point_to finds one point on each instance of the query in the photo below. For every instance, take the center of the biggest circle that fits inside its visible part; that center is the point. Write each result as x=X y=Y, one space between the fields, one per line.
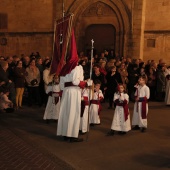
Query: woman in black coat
x=113 y=78
x=19 y=80
x=97 y=75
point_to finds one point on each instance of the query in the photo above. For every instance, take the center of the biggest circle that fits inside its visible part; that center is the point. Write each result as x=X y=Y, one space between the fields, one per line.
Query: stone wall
x=30 y=27
x=157 y=30
x=142 y=29
x=157 y=46
x=26 y=43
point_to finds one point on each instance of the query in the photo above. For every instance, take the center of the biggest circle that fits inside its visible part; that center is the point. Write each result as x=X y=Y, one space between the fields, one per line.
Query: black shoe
x=47 y=121
x=136 y=127
x=143 y=130
x=55 y=121
x=110 y=133
x=76 y=140
x=91 y=124
x=20 y=107
x=122 y=133
x=82 y=133
x=65 y=138
x=9 y=110
x=16 y=108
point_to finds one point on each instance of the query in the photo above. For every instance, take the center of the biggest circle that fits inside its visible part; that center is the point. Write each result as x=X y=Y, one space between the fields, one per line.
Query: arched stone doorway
x=104 y=36
x=95 y=13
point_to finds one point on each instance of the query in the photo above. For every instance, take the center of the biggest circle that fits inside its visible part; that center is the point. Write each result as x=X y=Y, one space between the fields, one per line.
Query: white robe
x=94 y=116
x=69 y=115
x=119 y=123
x=52 y=109
x=143 y=91
x=47 y=77
x=84 y=119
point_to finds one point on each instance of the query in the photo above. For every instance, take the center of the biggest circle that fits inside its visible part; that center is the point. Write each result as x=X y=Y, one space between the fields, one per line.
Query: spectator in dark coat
x=19 y=81
x=113 y=78
x=160 y=84
x=133 y=79
x=97 y=75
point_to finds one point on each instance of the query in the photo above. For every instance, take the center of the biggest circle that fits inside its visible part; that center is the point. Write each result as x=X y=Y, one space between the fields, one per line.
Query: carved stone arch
x=120 y=20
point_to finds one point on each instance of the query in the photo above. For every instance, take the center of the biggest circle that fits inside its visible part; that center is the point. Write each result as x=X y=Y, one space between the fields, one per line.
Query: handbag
x=34 y=82
x=126 y=80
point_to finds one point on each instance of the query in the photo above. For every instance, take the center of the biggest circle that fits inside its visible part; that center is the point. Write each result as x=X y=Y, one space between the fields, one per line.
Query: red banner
x=62 y=33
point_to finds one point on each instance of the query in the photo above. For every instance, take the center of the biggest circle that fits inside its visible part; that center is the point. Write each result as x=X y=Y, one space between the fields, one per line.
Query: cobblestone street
x=27 y=142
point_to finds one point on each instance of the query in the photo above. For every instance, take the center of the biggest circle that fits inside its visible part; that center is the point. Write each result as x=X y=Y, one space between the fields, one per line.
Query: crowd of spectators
x=112 y=70
x=22 y=80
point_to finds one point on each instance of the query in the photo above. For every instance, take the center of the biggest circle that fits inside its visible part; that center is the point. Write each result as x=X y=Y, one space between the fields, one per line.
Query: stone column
x=138 y=27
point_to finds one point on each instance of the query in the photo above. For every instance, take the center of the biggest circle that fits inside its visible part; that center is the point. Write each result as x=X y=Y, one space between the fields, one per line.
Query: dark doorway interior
x=104 y=36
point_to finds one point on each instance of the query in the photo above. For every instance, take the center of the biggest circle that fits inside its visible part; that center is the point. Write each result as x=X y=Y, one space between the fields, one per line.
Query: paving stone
x=17 y=154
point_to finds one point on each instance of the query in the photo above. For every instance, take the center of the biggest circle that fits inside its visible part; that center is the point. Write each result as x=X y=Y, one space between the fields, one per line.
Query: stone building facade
x=133 y=28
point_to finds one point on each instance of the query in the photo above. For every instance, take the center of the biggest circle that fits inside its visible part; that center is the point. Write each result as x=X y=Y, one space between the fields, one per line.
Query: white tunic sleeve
x=62 y=83
x=77 y=75
x=116 y=96
x=126 y=97
x=101 y=94
x=56 y=88
x=147 y=92
x=47 y=77
x=49 y=88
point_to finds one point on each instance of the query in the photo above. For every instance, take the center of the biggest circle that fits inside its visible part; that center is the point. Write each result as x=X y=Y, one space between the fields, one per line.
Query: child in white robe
x=121 y=118
x=53 y=103
x=142 y=94
x=95 y=106
x=84 y=110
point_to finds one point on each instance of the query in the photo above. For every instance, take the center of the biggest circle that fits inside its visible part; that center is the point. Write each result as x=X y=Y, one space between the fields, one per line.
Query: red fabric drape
x=60 y=44
x=125 y=107
x=72 y=60
x=98 y=103
x=144 y=108
x=56 y=99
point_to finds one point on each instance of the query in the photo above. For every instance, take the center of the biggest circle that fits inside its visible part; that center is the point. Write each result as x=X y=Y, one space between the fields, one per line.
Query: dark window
x=3 y=21
x=151 y=43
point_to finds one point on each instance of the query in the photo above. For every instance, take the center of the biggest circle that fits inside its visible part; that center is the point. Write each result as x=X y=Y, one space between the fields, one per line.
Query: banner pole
x=63 y=9
x=88 y=128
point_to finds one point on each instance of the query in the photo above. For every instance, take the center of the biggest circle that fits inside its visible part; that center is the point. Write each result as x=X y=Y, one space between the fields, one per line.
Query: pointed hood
x=73 y=59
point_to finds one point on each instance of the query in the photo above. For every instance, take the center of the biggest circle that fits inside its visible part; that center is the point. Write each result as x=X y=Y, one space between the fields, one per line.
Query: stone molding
x=157 y=31
x=98 y=9
x=119 y=11
x=24 y=33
